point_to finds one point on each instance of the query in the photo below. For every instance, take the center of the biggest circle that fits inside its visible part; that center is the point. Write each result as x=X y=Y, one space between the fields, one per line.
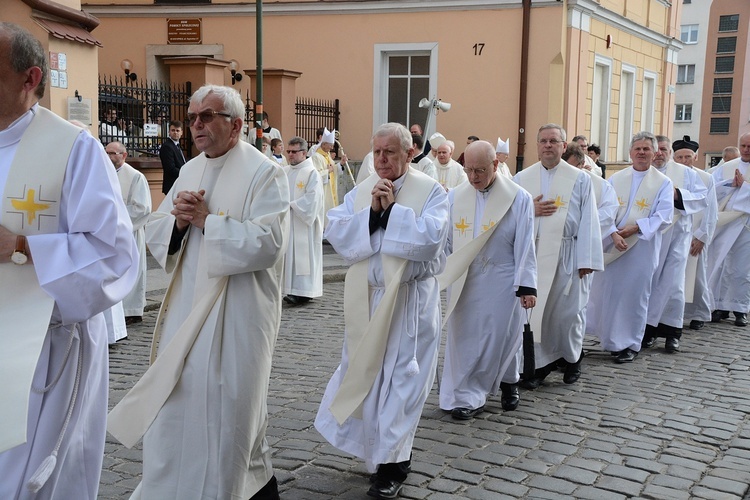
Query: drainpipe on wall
x=259 y=74
x=524 y=84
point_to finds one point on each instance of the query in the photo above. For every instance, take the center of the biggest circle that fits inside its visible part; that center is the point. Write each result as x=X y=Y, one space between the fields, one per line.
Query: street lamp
x=127 y=65
x=234 y=67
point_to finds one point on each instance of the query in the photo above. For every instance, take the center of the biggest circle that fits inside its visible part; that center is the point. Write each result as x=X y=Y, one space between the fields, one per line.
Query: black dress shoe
x=697 y=324
x=573 y=371
x=740 y=319
x=539 y=375
x=466 y=413
x=385 y=488
x=648 y=342
x=718 y=315
x=672 y=345
x=627 y=355
x=509 y=396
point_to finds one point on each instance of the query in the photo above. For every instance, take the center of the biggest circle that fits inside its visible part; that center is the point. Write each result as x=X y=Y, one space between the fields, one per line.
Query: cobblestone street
x=666 y=426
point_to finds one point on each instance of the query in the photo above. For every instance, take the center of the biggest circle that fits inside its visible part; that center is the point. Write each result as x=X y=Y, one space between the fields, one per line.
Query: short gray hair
x=553 y=126
x=640 y=136
x=299 y=141
x=26 y=52
x=398 y=130
x=230 y=98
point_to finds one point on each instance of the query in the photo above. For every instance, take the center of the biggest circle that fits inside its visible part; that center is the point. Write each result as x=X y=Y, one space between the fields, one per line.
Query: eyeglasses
x=291 y=152
x=205 y=116
x=552 y=142
x=110 y=153
x=478 y=171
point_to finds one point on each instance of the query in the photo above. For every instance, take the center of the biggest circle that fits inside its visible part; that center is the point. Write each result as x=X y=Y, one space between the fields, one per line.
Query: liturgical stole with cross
x=549 y=229
x=465 y=247
x=30 y=205
x=366 y=342
x=645 y=197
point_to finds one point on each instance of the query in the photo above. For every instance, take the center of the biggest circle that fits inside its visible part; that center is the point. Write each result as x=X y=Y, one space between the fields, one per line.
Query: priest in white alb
x=66 y=254
x=392 y=229
x=303 y=263
x=729 y=256
x=667 y=304
x=568 y=249
x=221 y=232
x=620 y=295
x=492 y=273
x=137 y=198
x=698 y=298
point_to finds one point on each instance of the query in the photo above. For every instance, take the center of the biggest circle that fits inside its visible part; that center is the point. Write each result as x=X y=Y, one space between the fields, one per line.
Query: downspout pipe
x=259 y=74
x=523 y=91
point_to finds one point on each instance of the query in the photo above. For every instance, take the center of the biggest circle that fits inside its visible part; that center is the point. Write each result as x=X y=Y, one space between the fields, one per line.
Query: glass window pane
x=398 y=65
x=397 y=100
x=419 y=89
x=723 y=85
x=719 y=126
x=420 y=65
x=726 y=45
x=729 y=23
x=721 y=104
x=724 y=64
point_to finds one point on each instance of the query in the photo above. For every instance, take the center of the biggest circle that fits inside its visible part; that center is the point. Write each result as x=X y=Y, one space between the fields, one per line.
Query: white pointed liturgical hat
x=436 y=140
x=502 y=147
x=328 y=136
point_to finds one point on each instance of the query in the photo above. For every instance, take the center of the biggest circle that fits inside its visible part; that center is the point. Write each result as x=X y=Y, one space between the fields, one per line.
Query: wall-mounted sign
x=184 y=31
x=79 y=110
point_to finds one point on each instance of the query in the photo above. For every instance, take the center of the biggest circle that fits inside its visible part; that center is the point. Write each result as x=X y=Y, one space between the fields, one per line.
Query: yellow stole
x=645 y=197
x=331 y=176
x=30 y=205
x=133 y=415
x=366 y=342
x=548 y=230
x=465 y=247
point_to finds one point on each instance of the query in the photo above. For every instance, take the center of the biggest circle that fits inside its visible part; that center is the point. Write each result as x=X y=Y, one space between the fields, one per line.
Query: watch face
x=18 y=258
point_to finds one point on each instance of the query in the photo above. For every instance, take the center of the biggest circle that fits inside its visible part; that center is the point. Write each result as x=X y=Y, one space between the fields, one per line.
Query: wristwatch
x=19 y=255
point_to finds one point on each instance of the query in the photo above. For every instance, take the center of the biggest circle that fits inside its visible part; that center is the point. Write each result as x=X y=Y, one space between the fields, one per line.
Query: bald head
x=480 y=164
x=745 y=147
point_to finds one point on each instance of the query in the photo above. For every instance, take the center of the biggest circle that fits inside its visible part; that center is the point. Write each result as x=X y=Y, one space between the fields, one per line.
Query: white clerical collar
x=486 y=190
x=15 y=130
x=176 y=143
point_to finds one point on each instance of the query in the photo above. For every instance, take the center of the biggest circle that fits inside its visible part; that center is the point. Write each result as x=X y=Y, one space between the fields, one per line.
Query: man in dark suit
x=171 y=156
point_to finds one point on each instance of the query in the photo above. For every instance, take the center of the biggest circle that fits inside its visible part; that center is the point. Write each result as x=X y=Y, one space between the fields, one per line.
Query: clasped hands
x=619 y=237
x=382 y=195
x=738 y=178
x=190 y=207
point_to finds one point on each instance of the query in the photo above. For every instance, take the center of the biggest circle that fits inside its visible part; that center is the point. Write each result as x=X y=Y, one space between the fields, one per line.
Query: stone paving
x=666 y=426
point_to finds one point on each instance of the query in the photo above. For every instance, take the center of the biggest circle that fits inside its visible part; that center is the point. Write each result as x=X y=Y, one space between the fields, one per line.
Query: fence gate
x=313 y=114
x=142 y=112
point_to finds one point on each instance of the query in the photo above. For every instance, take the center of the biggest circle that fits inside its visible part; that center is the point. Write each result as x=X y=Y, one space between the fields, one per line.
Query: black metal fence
x=138 y=113
x=313 y=114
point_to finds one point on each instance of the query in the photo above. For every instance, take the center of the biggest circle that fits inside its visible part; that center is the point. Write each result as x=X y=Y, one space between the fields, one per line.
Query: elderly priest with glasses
x=221 y=232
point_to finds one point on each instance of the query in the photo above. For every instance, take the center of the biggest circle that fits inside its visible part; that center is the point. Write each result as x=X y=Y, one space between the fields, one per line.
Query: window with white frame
x=404 y=74
x=626 y=107
x=689 y=33
x=683 y=113
x=601 y=99
x=648 y=102
x=686 y=73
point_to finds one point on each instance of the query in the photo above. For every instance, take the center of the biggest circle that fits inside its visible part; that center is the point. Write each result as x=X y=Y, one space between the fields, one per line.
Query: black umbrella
x=529 y=362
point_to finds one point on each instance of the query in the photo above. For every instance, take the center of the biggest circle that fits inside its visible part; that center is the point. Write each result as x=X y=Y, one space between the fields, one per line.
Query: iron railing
x=143 y=112
x=313 y=114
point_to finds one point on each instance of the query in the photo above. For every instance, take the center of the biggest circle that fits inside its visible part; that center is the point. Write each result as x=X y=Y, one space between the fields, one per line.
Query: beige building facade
x=605 y=69
x=65 y=31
